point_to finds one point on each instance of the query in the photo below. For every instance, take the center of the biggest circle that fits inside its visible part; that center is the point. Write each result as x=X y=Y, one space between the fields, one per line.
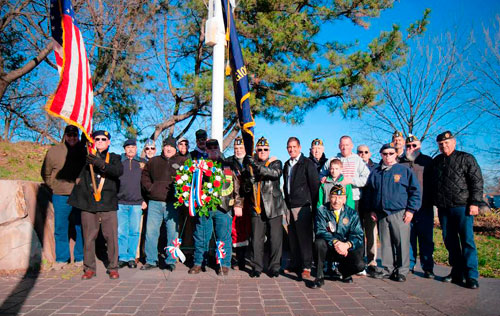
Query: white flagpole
x=216 y=37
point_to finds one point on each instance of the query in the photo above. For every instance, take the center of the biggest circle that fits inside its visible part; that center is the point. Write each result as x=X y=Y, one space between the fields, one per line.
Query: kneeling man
x=338 y=234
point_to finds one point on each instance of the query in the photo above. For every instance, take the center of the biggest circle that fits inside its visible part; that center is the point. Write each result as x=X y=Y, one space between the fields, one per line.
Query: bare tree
x=432 y=92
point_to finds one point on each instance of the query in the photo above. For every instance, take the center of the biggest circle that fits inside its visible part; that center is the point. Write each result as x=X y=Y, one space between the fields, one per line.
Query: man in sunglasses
x=394 y=195
x=60 y=168
x=150 y=149
x=268 y=207
x=98 y=200
x=422 y=224
x=200 y=151
x=457 y=192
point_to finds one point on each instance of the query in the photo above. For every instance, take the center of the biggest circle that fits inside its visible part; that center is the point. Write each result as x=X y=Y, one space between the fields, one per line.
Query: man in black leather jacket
x=267 y=208
x=457 y=191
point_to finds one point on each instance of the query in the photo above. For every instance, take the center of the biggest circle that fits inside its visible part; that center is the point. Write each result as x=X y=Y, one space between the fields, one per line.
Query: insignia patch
x=345 y=221
x=447 y=135
x=397 y=177
x=231 y=202
x=331 y=227
x=141 y=165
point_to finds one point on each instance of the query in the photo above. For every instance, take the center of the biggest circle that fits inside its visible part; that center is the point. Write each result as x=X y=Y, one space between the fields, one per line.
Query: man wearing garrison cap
x=317 y=154
x=242 y=225
x=96 y=194
x=398 y=141
x=267 y=206
x=457 y=192
x=422 y=224
x=339 y=233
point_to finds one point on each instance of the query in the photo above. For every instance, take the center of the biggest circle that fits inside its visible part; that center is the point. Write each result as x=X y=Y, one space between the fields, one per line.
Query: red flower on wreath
x=181 y=200
x=185 y=188
x=216 y=184
x=207 y=199
x=208 y=173
x=177 y=177
x=191 y=169
x=210 y=164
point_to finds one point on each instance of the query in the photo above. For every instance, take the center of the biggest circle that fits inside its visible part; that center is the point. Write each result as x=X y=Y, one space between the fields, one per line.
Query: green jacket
x=324 y=191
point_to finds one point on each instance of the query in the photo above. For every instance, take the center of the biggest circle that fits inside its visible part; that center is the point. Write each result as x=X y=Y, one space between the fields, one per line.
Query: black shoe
x=170 y=267
x=132 y=264
x=375 y=273
x=472 y=283
x=274 y=274
x=453 y=279
x=255 y=274
x=429 y=275
x=398 y=277
x=122 y=264
x=347 y=280
x=335 y=275
x=318 y=283
x=148 y=266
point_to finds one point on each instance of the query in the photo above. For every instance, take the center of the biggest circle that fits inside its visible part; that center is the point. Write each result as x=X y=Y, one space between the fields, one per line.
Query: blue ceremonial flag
x=240 y=79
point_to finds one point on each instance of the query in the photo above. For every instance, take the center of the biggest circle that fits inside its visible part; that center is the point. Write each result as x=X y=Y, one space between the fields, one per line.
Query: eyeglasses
x=262 y=149
x=363 y=152
x=99 y=139
x=388 y=154
x=411 y=146
x=150 y=148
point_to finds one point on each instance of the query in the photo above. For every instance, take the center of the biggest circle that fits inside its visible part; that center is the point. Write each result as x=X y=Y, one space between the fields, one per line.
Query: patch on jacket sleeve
x=397 y=177
x=141 y=165
x=345 y=221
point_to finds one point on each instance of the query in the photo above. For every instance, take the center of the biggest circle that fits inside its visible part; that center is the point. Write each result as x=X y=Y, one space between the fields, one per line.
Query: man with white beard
x=422 y=223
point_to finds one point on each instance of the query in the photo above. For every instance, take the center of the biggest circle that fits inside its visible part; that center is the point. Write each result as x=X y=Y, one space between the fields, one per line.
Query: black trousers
x=261 y=225
x=348 y=265
x=90 y=227
x=300 y=237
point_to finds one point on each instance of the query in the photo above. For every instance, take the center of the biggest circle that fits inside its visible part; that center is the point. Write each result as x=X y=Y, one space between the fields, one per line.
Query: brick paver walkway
x=159 y=292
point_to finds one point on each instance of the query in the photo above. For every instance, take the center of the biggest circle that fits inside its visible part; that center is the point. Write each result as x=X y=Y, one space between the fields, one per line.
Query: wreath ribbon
x=220 y=253
x=195 y=199
x=175 y=250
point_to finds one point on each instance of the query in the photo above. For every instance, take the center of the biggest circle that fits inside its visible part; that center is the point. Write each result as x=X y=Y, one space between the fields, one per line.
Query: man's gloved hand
x=96 y=161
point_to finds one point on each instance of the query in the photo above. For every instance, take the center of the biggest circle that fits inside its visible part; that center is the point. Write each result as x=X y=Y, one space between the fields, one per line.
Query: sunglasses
x=262 y=149
x=363 y=152
x=150 y=148
x=388 y=154
x=411 y=146
x=99 y=139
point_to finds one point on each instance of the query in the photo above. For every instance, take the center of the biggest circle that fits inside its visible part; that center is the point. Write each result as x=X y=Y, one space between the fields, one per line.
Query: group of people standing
x=330 y=210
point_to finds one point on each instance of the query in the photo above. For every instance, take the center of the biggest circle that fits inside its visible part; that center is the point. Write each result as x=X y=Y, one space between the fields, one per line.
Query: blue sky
x=445 y=16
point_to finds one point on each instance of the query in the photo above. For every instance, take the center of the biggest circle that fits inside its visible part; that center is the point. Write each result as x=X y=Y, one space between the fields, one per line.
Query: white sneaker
x=362 y=273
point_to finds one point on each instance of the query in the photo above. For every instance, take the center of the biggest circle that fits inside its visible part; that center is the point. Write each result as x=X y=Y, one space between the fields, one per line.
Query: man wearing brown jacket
x=60 y=168
x=157 y=182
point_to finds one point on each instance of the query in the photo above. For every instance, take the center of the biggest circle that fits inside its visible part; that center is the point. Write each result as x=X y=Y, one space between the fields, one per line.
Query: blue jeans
x=158 y=212
x=421 y=231
x=458 y=238
x=64 y=214
x=129 y=223
x=203 y=233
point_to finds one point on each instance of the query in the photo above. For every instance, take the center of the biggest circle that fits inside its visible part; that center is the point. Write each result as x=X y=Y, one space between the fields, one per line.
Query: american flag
x=73 y=100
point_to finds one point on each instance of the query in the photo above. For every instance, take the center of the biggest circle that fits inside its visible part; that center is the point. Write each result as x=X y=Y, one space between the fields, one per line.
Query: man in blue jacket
x=394 y=194
x=338 y=234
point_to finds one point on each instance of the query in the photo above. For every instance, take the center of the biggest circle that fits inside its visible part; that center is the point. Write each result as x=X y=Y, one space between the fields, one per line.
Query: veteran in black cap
x=267 y=206
x=317 y=153
x=157 y=182
x=200 y=151
x=457 y=192
x=97 y=196
x=61 y=167
x=338 y=233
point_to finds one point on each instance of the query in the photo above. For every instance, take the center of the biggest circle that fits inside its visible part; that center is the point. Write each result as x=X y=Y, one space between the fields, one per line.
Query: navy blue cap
x=130 y=142
x=101 y=133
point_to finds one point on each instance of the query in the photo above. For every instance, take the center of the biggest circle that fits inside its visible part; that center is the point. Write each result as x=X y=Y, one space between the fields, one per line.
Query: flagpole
x=218 y=73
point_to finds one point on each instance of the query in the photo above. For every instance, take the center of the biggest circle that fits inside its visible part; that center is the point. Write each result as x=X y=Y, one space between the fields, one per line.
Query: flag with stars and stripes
x=73 y=100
